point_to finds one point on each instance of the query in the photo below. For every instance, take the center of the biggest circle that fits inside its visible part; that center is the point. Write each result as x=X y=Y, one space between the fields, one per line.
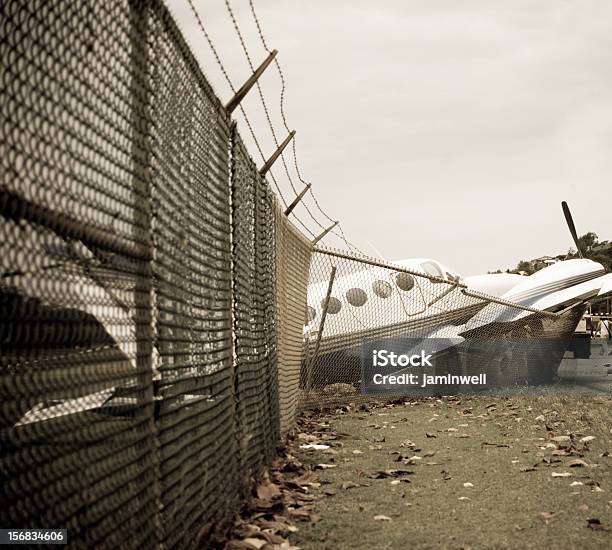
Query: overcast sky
x=435 y=128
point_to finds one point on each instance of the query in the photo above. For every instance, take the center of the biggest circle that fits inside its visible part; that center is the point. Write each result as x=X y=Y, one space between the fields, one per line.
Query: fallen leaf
x=314 y=446
x=562 y=440
x=587 y=438
x=255 y=543
x=547 y=515
x=357 y=452
x=595 y=523
x=381 y=474
x=380 y=517
x=464 y=498
x=561 y=474
x=429 y=434
x=541 y=418
x=577 y=463
x=324 y=466
x=576 y=483
x=468 y=484
x=349 y=485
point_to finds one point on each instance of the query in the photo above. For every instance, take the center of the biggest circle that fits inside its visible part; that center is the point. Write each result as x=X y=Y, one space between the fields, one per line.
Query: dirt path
x=474 y=473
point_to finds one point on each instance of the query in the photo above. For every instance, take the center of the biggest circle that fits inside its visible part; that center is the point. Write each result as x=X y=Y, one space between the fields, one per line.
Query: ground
x=469 y=472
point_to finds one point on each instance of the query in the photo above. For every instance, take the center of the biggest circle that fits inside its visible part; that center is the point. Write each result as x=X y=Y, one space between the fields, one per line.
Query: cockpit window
x=382 y=289
x=333 y=307
x=432 y=269
x=356 y=297
x=404 y=281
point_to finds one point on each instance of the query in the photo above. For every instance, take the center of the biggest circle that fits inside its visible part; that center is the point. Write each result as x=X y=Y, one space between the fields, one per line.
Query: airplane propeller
x=572 y=227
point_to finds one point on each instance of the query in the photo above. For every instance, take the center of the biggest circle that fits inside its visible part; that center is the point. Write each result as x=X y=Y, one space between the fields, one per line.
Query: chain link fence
x=148 y=357
x=353 y=300
x=161 y=321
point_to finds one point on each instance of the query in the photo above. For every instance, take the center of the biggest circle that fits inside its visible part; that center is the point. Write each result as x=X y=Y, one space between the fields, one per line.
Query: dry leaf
x=562 y=440
x=547 y=515
x=255 y=543
x=429 y=434
x=561 y=474
x=324 y=466
x=314 y=446
x=267 y=491
x=381 y=474
x=577 y=463
x=468 y=484
x=380 y=517
x=587 y=438
x=595 y=523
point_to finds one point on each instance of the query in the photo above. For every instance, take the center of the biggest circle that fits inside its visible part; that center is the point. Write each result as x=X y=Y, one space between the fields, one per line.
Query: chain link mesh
x=160 y=318
x=293 y=252
x=149 y=357
x=75 y=266
x=254 y=312
x=374 y=300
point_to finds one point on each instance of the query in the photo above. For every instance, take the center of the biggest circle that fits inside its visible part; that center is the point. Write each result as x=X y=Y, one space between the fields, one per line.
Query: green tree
x=525 y=266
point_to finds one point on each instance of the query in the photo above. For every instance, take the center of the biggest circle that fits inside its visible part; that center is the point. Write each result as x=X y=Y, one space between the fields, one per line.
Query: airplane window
x=310 y=314
x=382 y=289
x=356 y=297
x=334 y=305
x=404 y=281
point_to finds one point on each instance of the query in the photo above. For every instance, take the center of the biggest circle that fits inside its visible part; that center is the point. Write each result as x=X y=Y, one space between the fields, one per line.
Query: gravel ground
x=468 y=472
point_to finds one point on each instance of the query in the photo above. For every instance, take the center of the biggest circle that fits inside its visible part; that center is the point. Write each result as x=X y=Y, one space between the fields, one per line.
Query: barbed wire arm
x=246 y=87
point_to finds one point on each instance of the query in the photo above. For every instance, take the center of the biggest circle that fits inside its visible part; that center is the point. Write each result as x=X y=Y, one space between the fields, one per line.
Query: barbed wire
x=225 y=74
x=241 y=107
x=285 y=123
x=265 y=107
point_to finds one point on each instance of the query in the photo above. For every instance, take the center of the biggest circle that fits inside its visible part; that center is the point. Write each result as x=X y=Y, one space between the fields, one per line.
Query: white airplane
x=429 y=300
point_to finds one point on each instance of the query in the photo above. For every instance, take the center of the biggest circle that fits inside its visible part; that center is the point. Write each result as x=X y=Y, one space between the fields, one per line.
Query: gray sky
x=434 y=128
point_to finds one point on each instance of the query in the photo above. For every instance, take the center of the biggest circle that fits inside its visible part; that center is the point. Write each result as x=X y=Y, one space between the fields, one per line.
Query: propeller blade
x=572 y=227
